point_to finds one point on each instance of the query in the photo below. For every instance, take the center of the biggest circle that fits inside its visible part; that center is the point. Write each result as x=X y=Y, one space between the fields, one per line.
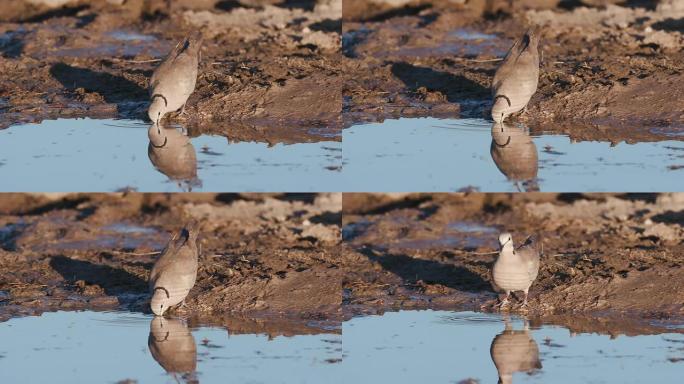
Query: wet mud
x=610 y=263
x=265 y=260
x=268 y=72
x=608 y=72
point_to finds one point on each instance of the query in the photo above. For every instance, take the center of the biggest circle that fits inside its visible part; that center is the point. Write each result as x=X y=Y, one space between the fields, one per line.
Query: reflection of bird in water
x=174 y=80
x=514 y=351
x=173 y=274
x=173 y=347
x=516 y=78
x=515 y=154
x=172 y=153
x=516 y=268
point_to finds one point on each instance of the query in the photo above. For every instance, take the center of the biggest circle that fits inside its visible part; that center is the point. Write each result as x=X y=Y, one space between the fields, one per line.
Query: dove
x=516 y=78
x=516 y=268
x=172 y=345
x=173 y=274
x=514 y=351
x=174 y=79
x=172 y=153
x=515 y=154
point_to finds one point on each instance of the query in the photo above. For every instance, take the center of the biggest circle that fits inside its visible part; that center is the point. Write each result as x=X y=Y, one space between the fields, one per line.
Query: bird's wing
x=522 y=53
x=185 y=49
x=530 y=254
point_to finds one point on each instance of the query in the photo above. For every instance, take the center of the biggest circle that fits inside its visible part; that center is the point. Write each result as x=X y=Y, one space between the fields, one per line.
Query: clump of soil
x=608 y=73
x=268 y=68
x=612 y=256
x=261 y=255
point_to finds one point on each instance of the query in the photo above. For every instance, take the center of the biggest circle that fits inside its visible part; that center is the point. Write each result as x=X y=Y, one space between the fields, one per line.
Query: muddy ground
x=611 y=263
x=609 y=72
x=268 y=263
x=270 y=71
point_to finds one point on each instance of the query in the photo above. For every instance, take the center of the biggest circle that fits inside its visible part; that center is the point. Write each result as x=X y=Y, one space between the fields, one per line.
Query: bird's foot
x=503 y=304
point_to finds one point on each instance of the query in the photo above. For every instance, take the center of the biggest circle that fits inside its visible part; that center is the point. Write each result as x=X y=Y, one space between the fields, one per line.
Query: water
x=105 y=347
x=450 y=347
x=72 y=155
x=460 y=234
x=431 y=155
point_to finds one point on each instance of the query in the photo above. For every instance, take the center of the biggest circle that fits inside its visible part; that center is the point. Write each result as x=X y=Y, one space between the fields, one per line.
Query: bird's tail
x=192 y=228
x=532 y=35
x=189 y=233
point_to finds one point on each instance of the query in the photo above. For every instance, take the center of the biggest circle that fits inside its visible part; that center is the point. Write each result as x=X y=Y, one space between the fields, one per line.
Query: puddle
x=452 y=347
x=107 y=155
x=431 y=155
x=106 y=347
x=462 y=235
x=131 y=36
x=465 y=34
x=130 y=228
x=460 y=42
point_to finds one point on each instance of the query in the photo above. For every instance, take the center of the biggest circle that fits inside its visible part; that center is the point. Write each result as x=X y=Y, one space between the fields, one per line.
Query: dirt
x=608 y=72
x=269 y=71
x=611 y=263
x=266 y=260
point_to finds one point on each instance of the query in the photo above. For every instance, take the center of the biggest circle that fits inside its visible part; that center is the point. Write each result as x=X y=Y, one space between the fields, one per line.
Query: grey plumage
x=516 y=78
x=514 y=153
x=172 y=345
x=514 y=351
x=174 y=80
x=516 y=268
x=174 y=273
x=172 y=153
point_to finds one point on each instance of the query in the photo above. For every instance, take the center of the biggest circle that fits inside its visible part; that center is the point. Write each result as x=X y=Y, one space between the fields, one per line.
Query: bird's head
x=160 y=301
x=505 y=240
x=500 y=109
x=157 y=109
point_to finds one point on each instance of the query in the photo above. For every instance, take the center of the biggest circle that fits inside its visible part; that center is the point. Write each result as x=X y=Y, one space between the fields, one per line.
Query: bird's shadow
x=114 y=281
x=12 y=43
x=412 y=270
x=456 y=88
x=114 y=89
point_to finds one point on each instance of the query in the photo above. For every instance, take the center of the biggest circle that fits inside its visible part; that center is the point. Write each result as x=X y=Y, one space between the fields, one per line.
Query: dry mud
x=611 y=263
x=267 y=262
x=611 y=72
x=269 y=71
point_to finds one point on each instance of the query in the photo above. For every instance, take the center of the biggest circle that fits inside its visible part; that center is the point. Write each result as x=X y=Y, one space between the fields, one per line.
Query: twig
x=478 y=61
x=139 y=61
x=483 y=253
x=136 y=253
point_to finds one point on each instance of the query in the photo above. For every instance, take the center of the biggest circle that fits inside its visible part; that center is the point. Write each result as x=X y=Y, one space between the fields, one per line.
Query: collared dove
x=516 y=78
x=174 y=273
x=514 y=351
x=172 y=345
x=515 y=154
x=516 y=268
x=172 y=153
x=174 y=80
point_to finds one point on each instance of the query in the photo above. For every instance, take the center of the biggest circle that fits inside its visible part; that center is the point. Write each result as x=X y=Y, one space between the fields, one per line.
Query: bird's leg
x=524 y=305
x=504 y=302
x=182 y=110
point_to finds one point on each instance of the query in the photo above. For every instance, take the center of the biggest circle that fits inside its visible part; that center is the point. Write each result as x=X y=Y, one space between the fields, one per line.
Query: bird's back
x=518 y=74
x=176 y=268
x=177 y=74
